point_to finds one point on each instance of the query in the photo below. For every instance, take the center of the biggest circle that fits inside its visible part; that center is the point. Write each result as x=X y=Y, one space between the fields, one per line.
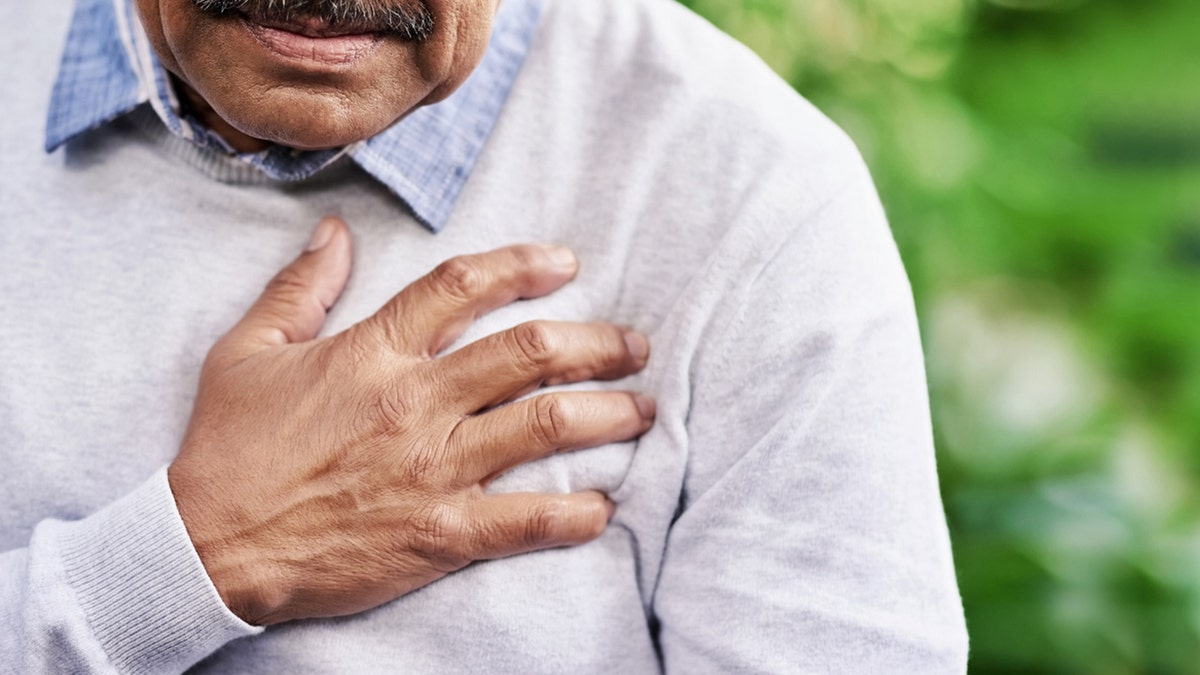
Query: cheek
x=186 y=41
x=150 y=13
x=447 y=61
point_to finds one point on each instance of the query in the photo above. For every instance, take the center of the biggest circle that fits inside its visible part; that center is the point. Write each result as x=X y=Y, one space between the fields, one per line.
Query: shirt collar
x=108 y=70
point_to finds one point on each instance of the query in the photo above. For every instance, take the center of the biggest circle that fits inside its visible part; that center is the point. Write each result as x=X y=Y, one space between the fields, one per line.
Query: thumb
x=293 y=306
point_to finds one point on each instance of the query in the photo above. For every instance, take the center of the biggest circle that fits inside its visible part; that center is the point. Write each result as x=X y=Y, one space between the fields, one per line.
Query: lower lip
x=330 y=51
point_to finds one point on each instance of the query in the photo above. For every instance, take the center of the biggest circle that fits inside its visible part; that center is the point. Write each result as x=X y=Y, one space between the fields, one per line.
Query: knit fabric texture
x=782 y=516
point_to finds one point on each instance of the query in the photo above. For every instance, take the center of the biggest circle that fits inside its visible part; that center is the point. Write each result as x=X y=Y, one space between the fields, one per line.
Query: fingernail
x=637 y=345
x=562 y=257
x=322 y=235
x=645 y=405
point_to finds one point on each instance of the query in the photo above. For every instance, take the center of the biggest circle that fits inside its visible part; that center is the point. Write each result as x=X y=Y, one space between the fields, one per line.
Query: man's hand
x=326 y=477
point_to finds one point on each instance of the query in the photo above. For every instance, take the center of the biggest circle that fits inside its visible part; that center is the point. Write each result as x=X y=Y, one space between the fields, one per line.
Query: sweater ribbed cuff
x=142 y=586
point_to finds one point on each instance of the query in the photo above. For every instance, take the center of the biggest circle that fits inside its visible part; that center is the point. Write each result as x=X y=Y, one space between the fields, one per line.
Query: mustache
x=409 y=20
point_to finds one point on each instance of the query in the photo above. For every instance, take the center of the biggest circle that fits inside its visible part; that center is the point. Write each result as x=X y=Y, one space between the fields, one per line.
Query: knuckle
x=392 y=410
x=552 y=418
x=442 y=531
x=293 y=303
x=459 y=278
x=379 y=336
x=532 y=343
x=422 y=468
x=370 y=349
x=359 y=348
x=287 y=282
x=527 y=257
x=616 y=352
x=544 y=523
x=606 y=355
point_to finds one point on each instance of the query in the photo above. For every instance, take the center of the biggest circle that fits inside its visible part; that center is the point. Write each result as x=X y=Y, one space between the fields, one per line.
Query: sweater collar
x=108 y=70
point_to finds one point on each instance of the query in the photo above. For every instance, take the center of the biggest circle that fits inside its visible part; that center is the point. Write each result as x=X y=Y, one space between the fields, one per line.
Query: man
x=768 y=473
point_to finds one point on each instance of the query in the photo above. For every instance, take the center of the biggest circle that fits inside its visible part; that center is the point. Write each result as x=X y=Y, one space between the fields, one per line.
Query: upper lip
x=310 y=26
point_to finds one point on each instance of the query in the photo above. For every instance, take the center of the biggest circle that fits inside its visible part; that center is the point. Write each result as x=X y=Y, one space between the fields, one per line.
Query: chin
x=324 y=137
x=310 y=123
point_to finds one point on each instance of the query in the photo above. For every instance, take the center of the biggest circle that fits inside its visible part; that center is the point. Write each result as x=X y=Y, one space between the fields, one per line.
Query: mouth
x=311 y=40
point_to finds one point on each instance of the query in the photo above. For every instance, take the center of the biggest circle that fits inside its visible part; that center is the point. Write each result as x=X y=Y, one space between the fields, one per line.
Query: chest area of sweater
x=102 y=345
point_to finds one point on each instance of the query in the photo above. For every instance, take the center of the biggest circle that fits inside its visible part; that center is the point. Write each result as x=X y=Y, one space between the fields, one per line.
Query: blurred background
x=1040 y=163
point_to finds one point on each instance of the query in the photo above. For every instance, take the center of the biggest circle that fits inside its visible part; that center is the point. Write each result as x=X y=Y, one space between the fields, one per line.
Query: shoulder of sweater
x=644 y=97
x=658 y=72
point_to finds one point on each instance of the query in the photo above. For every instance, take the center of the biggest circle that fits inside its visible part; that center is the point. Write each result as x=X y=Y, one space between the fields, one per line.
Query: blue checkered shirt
x=108 y=70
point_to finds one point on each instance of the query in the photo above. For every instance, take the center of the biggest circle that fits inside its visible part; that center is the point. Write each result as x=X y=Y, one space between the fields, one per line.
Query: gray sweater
x=782 y=516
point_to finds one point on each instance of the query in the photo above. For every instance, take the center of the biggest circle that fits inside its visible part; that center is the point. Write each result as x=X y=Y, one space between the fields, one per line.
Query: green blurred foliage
x=1040 y=162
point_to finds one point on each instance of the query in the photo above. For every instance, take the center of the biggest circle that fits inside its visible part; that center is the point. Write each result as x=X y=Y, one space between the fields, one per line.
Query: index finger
x=433 y=311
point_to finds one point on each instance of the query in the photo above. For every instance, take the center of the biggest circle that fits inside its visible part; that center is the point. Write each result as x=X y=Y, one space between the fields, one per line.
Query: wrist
x=137 y=579
x=236 y=570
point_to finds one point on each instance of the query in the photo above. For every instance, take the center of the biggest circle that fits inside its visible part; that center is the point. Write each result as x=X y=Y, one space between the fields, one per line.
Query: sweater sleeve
x=811 y=535
x=122 y=590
